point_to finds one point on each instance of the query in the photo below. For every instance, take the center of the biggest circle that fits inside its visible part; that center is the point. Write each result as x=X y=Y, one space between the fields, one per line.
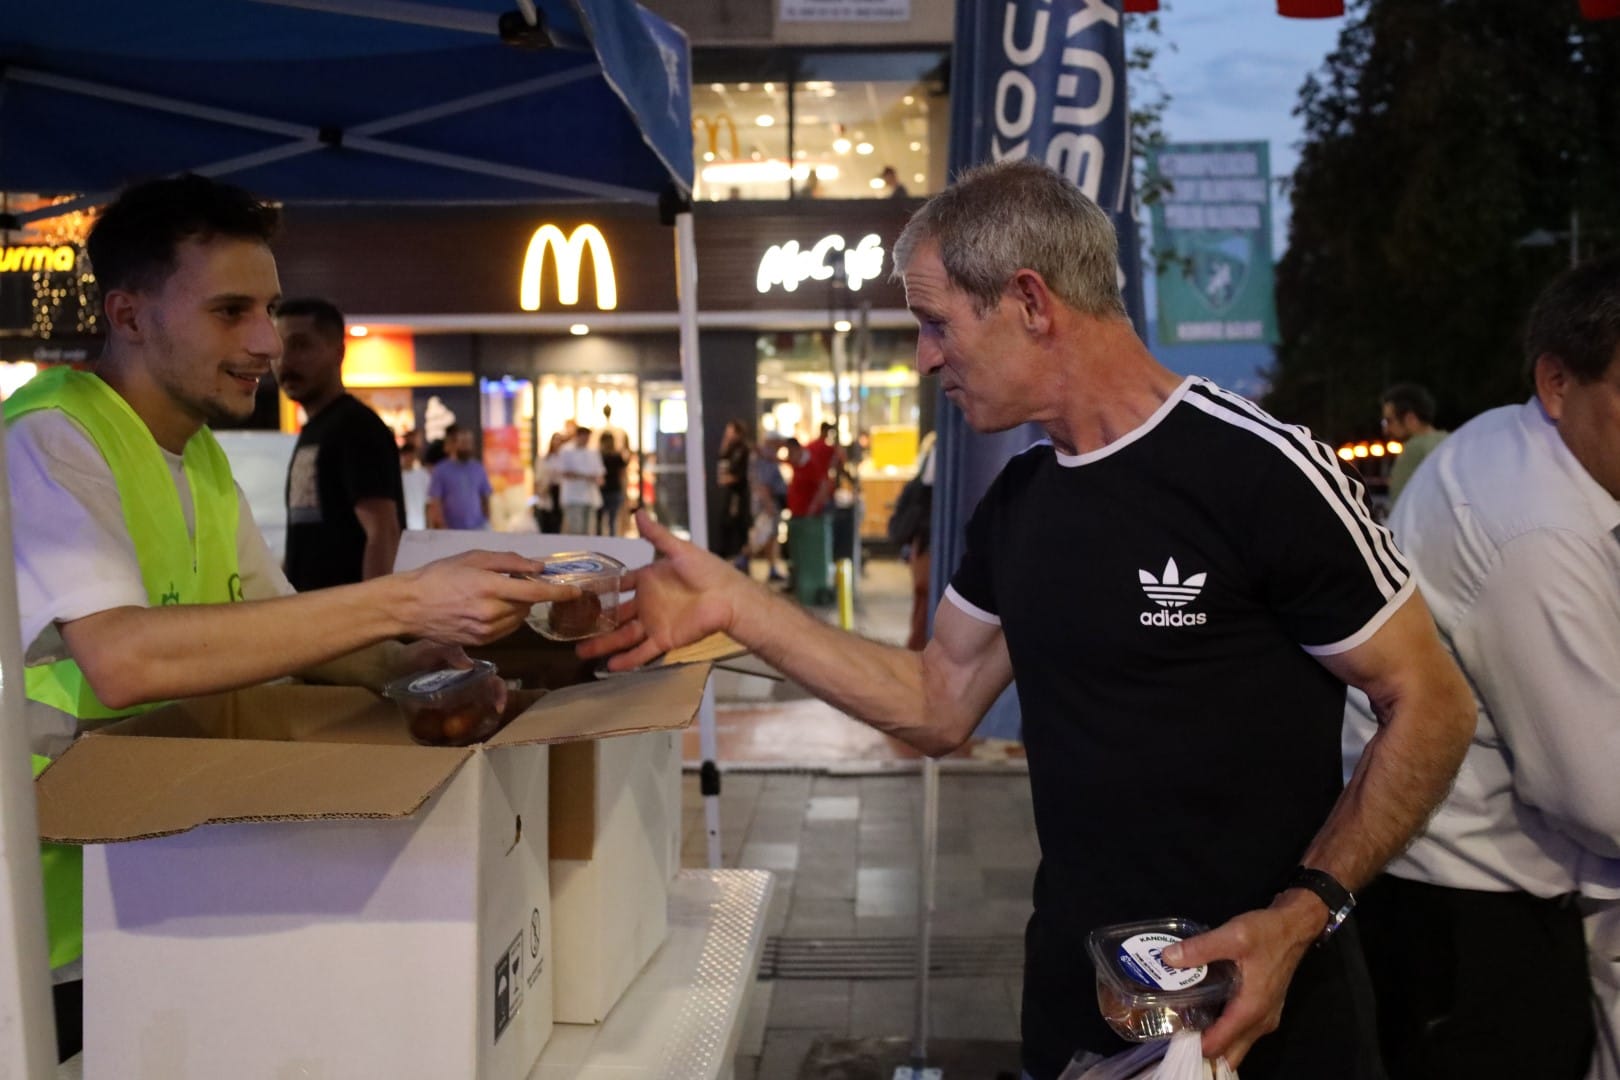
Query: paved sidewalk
x=822 y=802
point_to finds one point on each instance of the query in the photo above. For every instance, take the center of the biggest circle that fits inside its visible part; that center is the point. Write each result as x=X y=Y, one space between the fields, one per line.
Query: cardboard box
x=354 y=904
x=615 y=805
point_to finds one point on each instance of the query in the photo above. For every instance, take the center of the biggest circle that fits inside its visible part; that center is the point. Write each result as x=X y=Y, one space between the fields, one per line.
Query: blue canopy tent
x=329 y=101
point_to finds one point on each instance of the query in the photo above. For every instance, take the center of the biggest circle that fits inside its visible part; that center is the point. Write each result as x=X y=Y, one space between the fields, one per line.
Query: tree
x=1439 y=137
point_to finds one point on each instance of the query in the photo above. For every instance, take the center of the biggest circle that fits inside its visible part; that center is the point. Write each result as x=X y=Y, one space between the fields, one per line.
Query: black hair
x=1577 y=319
x=323 y=313
x=1410 y=398
x=134 y=240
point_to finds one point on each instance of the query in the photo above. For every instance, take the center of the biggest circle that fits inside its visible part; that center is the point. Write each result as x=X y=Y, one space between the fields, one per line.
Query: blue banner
x=1042 y=80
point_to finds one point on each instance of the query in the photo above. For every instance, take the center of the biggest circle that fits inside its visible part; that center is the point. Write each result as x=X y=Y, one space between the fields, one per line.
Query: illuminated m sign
x=570 y=253
x=710 y=125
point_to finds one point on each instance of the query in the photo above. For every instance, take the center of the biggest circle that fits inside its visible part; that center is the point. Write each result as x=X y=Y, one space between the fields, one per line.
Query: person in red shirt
x=815 y=474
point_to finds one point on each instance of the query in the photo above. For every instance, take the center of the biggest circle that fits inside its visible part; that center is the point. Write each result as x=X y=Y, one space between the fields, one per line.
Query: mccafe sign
x=789 y=265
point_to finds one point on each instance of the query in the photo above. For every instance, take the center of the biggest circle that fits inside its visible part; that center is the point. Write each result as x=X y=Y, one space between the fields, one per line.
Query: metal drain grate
x=889 y=957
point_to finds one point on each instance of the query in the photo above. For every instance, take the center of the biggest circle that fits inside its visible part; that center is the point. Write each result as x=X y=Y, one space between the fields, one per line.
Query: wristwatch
x=1339 y=900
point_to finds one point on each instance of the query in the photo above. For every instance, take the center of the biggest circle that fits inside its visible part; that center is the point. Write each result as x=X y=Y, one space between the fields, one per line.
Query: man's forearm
x=135 y=655
x=881 y=685
x=1404 y=773
x=382 y=546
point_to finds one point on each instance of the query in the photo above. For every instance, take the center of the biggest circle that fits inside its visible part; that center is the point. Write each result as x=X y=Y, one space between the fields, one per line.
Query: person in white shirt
x=580 y=492
x=1474 y=936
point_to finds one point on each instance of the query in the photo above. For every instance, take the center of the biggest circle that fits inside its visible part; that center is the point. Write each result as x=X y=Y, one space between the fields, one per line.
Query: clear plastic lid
x=1140 y=995
x=596 y=609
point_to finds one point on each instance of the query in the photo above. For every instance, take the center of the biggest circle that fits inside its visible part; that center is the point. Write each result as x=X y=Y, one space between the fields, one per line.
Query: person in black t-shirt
x=1181 y=645
x=614 y=465
x=345 y=496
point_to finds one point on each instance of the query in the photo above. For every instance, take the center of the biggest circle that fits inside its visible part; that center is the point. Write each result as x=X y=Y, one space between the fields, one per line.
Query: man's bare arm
x=932 y=700
x=135 y=655
x=1427 y=717
x=380 y=520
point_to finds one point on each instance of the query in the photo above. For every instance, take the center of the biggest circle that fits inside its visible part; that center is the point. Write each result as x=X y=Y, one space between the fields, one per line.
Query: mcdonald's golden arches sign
x=567 y=258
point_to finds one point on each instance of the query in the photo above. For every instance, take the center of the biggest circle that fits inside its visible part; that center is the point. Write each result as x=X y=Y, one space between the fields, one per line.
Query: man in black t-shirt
x=345 y=497
x=1182 y=586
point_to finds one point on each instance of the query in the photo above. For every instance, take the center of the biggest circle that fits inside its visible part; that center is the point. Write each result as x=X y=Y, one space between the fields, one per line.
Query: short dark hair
x=828 y=427
x=451 y=431
x=132 y=245
x=323 y=313
x=1577 y=319
x=1411 y=398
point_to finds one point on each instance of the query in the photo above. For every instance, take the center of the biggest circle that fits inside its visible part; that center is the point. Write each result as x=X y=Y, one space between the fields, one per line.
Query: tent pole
x=27 y=1031
x=697 y=501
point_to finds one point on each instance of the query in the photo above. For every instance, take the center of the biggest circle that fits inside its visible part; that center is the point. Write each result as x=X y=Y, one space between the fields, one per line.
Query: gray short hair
x=1013 y=215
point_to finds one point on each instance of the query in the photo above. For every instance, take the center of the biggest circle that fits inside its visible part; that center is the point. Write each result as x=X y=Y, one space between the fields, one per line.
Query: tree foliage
x=1438 y=137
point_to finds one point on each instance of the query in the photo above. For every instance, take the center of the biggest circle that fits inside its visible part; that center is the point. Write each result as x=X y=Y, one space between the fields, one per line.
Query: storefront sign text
x=788 y=265
x=37 y=257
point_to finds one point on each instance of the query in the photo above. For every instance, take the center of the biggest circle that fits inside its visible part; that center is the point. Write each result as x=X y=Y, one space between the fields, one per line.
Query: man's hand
x=685 y=596
x=1266 y=946
x=474 y=598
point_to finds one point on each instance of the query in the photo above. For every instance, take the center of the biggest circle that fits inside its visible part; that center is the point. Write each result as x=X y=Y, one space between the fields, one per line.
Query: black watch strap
x=1339 y=900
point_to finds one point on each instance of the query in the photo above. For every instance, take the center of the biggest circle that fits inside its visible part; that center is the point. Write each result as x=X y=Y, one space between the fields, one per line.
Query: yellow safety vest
x=176 y=568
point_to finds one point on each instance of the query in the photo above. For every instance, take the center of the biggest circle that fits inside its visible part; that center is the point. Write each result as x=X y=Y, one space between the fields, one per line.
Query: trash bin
x=810 y=550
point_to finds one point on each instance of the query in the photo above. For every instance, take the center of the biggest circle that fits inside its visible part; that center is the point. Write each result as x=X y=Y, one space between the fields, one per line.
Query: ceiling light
x=579 y=329
x=841 y=145
x=1360 y=450
x=918 y=178
x=826 y=92
x=708 y=155
x=718 y=88
x=842 y=326
x=863 y=148
x=909 y=100
x=358 y=331
x=745 y=87
x=764 y=119
x=915 y=145
x=770 y=88
x=876 y=183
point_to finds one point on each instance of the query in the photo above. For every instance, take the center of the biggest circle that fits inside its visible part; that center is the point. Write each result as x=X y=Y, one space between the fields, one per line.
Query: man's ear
x=1553 y=380
x=1035 y=301
x=124 y=317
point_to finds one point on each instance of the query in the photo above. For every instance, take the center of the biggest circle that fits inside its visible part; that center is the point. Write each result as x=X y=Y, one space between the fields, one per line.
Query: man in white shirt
x=1474 y=936
x=580 y=470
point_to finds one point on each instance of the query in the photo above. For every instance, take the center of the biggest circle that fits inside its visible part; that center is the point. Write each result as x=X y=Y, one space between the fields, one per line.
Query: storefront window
x=841 y=126
x=806 y=379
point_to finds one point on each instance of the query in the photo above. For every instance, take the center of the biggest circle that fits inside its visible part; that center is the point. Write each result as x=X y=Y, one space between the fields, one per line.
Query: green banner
x=1212 y=242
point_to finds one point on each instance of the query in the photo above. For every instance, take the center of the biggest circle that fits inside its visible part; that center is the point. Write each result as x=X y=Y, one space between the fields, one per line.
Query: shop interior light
x=1376 y=449
x=863 y=148
x=842 y=145
x=1346 y=453
x=876 y=183
x=916 y=146
x=1360 y=450
x=842 y=326
x=764 y=120
x=771 y=170
x=358 y=331
x=579 y=329
x=1393 y=447
x=918 y=178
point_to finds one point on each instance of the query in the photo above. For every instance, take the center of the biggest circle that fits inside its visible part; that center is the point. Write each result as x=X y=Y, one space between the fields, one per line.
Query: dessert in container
x=451 y=706
x=594 y=611
x=1144 y=998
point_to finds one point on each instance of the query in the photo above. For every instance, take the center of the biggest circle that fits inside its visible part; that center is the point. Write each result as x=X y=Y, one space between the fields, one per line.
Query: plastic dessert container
x=452 y=706
x=595 y=611
x=1144 y=998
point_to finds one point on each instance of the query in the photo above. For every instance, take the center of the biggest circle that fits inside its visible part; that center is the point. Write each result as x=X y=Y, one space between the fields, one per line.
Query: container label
x=574 y=566
x=508 y=985
x=434 y=681
x=1141 y=958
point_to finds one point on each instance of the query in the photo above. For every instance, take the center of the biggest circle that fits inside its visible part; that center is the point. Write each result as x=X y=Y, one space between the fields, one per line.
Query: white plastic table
x=681 y=1017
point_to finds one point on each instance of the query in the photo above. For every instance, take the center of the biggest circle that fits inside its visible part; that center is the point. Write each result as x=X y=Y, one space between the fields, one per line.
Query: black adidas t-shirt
x=1162 y=599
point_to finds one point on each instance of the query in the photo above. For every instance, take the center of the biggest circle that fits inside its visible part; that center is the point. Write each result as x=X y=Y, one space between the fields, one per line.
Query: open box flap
x=110 y=787
x=658 y=699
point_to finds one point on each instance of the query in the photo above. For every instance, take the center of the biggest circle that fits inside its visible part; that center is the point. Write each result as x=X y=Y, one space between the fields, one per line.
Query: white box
x=404 y=949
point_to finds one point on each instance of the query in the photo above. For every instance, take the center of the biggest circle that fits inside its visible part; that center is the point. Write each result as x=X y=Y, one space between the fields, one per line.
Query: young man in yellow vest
x=141 y=575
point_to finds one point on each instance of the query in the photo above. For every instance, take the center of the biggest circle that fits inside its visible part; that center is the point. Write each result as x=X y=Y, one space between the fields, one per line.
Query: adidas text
x=1173 y=618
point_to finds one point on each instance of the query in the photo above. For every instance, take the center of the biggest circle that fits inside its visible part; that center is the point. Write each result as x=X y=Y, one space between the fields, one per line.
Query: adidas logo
x=1170 y=592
